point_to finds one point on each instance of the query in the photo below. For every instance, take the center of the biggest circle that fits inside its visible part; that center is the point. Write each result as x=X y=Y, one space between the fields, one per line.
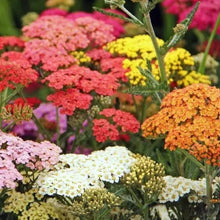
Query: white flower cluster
x=161 y=211
x=74 y=173
x=177 y=187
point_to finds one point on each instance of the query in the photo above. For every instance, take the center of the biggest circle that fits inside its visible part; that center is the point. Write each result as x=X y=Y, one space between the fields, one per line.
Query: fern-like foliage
x=118 y=16
x=181 y=32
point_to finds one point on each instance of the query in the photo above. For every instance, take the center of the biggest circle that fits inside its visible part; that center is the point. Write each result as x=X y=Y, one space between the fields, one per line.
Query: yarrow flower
x=177 y=187
x=180 y=68
x=11 y=43
x=16 y=113
x=15 y=151
x=69 y=100
x=202 y=19
x=83 y=79
x=179 y=63
x=189 y=118
x=52 y=38
x=63 y=4
x=79 y=172
x=54 y=11
x=15 y=70
x=28 y=205
x=122 y=122
x=145 y=175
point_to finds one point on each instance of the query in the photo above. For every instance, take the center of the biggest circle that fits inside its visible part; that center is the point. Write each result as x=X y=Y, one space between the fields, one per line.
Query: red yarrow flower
x=15 y=71
x=121 y=121
x=11 y=42
x=104 y=131
x=33 y=102
x=83 y=79
x=69 y=100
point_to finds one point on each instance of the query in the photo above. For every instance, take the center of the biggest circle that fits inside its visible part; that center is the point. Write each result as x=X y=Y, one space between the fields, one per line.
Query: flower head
x=146 y=175
x=11 y=43
x=122 y=122
x=190 y=119
x=15 y=70
x=202 y=19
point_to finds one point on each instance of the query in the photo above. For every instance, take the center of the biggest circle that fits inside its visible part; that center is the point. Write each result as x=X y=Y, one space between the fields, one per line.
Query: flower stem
x=57 y=126
x=192 y=158
x=202 y=64
x=208 y=178
x=150 y=30
x=131 y=15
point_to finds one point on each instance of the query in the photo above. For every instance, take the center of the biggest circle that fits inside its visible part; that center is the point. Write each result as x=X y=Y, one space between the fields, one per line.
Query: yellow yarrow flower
x=81 y=57
x=179 y=63
x=136 y=50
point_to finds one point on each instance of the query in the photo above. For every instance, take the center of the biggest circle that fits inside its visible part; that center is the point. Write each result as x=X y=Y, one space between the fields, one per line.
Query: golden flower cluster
x=190 y=119
x=146 y=175
x=179 y=63
x=81 y=57
x=136 y=50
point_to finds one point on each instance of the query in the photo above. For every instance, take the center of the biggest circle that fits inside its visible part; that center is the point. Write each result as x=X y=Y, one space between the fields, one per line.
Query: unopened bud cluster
x=146 y=175
x=94 y=111
x=76 y=119
x=16 y=113
x=92 y=200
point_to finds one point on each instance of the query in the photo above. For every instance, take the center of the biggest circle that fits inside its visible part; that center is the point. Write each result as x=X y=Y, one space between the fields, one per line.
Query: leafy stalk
x=202 y=64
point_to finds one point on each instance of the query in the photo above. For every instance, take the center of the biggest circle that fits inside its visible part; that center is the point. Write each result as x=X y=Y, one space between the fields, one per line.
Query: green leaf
x=116 y=15
x=181 y=29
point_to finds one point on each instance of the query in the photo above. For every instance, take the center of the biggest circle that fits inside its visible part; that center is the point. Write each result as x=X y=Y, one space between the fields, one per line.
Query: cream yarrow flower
x=177 y=187
x=75 y=173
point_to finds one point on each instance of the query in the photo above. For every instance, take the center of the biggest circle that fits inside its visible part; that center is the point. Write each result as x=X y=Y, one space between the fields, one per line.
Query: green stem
x=57 y=126
x=208 y=190
x=3 y=102
x=202 y=64
x=145 y=212
x=150 y=30
x=136 y=107
x=144 y=107
x=192 y=158
x=137 y=201
x=130 y=15
x=7 y=127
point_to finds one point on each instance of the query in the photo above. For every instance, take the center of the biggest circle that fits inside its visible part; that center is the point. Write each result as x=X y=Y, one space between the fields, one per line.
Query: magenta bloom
x=205 y=16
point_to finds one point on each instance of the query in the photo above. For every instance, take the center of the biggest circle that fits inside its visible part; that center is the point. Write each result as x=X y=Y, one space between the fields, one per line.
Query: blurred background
x=12 y=11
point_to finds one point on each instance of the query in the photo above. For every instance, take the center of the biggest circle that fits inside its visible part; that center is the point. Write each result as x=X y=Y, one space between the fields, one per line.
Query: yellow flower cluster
x=27 y=206
x=179 y=63
x=180 y=66
x=39 y=211
x=146 y=175
x=81 y=57
x=136 y=50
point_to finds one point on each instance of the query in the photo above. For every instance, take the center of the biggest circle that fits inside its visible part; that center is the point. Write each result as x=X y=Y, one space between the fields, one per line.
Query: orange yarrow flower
x=190 y=119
